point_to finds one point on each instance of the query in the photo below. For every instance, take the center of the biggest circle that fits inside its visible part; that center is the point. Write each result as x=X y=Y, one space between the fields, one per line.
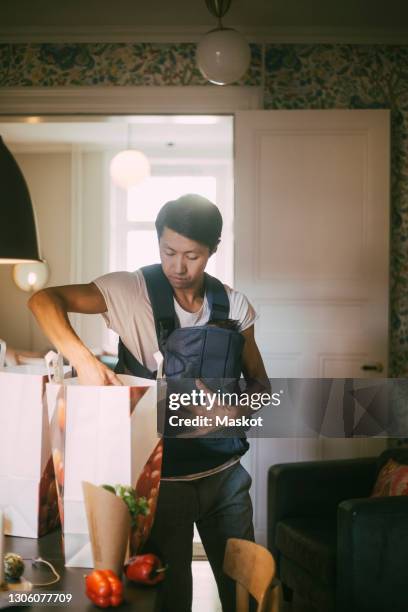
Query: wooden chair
x=253 y=568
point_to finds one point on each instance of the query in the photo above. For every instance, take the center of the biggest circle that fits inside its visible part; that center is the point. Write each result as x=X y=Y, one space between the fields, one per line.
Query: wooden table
x=49 y=547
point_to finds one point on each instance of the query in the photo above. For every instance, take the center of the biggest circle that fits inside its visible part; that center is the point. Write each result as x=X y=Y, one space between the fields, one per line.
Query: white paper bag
x=102 y=435
x=28 y=495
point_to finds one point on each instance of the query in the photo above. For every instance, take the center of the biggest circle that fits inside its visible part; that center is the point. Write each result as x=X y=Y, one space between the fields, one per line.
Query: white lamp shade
x=128 y=168
x=223 y=56
x=31 y=276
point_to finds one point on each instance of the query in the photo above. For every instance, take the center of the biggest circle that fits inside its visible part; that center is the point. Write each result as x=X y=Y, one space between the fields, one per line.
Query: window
x=133 y=241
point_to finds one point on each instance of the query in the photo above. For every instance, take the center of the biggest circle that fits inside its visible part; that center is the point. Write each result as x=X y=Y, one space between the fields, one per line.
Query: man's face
x=183 y=260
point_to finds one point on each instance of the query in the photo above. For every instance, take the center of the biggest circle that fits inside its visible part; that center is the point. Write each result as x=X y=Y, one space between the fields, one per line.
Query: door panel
x=311 y=253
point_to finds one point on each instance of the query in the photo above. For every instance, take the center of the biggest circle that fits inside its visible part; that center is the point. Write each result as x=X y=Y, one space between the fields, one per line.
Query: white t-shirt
x=130 y=314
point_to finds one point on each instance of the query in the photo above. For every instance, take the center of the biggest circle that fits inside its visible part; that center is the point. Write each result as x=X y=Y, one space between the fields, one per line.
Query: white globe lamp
x=129 y=168
x=223 y=55
x=31 y=276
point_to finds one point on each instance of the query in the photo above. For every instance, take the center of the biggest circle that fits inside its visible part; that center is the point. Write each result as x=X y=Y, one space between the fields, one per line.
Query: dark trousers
x=221 y=507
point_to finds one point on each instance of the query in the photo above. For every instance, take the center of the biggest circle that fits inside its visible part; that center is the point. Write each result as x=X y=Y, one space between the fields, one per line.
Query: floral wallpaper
x=116 y=64
x=297 y=76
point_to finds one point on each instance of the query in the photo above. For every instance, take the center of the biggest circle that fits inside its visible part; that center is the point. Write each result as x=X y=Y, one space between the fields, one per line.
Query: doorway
x=88 y=226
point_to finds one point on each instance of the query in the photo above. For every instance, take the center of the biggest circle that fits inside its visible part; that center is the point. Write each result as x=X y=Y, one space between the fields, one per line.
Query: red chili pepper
x=145 y=569
x=104 y=588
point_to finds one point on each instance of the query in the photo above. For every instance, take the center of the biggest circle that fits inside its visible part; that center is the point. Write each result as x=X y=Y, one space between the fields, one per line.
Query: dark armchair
x=336 y=548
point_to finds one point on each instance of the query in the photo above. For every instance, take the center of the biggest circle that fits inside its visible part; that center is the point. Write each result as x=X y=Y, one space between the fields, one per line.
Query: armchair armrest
x=372 y=557
x=313 y=488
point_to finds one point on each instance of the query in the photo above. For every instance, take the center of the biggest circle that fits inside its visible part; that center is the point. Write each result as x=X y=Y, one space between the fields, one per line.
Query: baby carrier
x=210 y=353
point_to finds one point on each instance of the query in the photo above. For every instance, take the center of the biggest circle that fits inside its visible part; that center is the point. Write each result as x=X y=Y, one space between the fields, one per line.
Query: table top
x=49 y=548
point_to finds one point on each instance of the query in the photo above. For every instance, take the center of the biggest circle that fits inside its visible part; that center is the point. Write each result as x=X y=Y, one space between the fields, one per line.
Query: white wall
x=67 y=190
x=92 y=241
x=48 y=176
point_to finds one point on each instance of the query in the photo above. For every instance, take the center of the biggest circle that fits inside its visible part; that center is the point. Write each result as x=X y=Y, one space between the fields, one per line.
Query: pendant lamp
x=129 y=167
x=31 y=276
x=18 y=234
x=223 y=54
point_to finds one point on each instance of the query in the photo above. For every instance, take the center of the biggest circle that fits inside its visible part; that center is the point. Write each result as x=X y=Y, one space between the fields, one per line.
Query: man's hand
x=217 y=409
x=51 y=307
x=91 y=371
x=221 y=410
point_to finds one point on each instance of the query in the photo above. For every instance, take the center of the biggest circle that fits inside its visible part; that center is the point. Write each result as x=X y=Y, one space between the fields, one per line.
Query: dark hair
x=194 y=217
x=232 y=324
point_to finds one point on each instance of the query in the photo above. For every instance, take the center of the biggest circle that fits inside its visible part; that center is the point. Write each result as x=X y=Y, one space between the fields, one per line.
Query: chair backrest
x=253 y=568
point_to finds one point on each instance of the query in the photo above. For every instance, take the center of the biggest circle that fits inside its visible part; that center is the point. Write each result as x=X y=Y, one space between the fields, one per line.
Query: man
x=216 y=499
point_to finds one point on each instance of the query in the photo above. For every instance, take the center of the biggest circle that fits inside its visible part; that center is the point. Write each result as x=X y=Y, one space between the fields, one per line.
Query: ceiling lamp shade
x=18 y=234
x=129 y=168
x=223 y=55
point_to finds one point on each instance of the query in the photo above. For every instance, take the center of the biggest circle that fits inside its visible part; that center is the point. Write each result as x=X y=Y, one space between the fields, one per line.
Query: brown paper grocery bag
x=109 y=527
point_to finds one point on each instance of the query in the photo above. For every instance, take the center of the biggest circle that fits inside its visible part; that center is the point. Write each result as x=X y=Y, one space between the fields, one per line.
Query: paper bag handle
x=3 y=347
x=160 y=362
x=55 y=367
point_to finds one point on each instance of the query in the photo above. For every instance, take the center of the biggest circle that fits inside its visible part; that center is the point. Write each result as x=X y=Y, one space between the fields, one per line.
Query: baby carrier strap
x=128 y=364
x=217 y=297
x=161 y=299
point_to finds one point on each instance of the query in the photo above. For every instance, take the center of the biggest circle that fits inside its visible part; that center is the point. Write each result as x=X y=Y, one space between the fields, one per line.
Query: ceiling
x=168 y=15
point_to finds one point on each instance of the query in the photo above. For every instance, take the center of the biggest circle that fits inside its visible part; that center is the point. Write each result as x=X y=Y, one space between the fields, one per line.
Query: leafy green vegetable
x=136 y=505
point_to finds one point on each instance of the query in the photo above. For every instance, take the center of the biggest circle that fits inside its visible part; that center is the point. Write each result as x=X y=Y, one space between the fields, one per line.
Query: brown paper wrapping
x=109 y=527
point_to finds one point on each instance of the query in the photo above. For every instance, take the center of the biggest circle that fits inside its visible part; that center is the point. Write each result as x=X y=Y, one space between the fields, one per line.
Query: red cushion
x=399 y=481
x=392 y=480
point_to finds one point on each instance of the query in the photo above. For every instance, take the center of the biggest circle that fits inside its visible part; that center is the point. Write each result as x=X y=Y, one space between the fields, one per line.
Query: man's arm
x=51 y=307
x=252 y=364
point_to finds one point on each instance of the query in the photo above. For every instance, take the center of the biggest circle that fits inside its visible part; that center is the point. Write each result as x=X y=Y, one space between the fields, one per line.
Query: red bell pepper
x=104 y=588
x=145 y=569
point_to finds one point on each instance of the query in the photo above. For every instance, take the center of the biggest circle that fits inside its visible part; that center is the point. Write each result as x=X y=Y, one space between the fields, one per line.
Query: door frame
x=29 y=101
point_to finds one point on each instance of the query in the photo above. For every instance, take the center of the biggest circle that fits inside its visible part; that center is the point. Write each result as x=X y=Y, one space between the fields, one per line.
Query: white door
x=311 y=253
